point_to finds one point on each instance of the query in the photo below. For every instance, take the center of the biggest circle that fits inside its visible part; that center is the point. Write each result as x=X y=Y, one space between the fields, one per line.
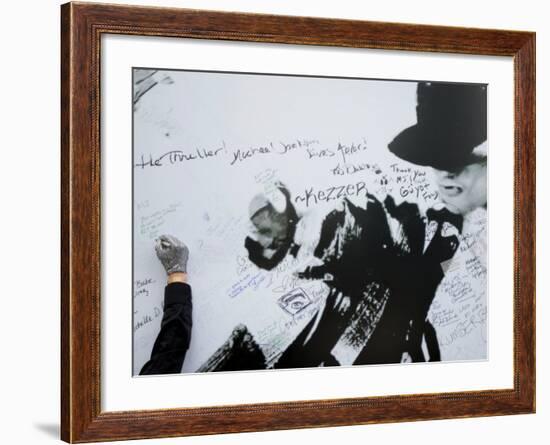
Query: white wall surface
x=29 y=235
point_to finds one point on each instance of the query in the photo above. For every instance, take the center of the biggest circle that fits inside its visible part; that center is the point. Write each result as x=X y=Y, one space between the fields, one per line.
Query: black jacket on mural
x=370 y=264
x=413 y=278
x=175 y=333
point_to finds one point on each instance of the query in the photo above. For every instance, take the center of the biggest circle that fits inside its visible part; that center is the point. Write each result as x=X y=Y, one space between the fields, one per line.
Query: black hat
x=451 y=122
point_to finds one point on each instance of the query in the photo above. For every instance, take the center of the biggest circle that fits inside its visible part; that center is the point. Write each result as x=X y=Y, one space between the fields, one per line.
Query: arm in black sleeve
x=175 y=333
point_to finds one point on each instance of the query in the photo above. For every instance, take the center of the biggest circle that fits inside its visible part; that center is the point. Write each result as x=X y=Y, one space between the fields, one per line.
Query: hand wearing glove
x=172 y=253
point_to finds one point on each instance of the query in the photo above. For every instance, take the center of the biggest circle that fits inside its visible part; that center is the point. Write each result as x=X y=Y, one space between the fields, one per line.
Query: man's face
x=271 y=227
x=465 y=190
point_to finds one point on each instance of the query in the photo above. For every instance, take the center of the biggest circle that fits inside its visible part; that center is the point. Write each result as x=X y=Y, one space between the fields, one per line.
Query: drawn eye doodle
x=294 y=301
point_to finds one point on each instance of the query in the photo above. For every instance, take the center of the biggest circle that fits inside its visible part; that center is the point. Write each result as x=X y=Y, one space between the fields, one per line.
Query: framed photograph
x=274 y=222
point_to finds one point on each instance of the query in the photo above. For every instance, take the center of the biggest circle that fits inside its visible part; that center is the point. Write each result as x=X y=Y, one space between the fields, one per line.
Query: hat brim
x=426 y=148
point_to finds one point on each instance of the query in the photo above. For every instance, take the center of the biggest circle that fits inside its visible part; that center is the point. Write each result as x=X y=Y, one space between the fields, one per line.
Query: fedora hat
x=451 y=122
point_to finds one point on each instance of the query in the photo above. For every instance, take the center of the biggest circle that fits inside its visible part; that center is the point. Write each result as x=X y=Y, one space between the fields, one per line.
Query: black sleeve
x=175 y=333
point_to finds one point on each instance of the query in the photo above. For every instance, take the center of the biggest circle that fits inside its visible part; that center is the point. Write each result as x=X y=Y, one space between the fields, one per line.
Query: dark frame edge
x=81 y=417
x=525 y=221
x=79 y=230
x=65 y=427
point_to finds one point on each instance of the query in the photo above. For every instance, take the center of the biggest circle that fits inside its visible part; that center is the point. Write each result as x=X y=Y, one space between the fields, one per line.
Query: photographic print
x=285 y=221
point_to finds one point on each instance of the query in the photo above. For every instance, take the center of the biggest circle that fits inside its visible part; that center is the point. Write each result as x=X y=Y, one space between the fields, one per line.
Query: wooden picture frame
x=82 y=25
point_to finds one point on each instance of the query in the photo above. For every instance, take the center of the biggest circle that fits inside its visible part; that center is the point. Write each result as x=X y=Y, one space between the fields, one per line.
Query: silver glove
x=172 y=253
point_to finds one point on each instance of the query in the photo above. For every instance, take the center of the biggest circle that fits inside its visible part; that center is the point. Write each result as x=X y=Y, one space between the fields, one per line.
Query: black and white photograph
x=275 y=222
x=290 y=221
